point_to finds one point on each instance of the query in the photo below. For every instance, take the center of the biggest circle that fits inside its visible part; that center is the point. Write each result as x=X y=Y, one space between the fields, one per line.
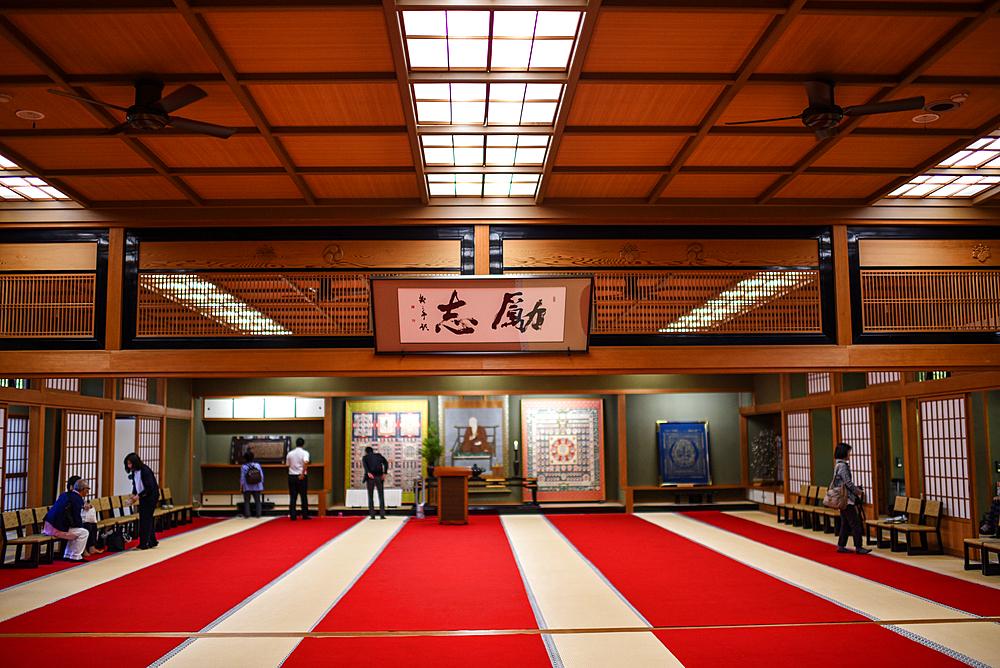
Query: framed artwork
x=474 y=432
x=683 y=453
x=564 y=448
x=510 y=313
x=393 y=428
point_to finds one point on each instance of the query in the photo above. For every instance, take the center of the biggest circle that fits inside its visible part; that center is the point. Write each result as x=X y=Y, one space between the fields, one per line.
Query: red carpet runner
x=672 y=581
x=433 y=577
x=205 y=583
x=959 y=594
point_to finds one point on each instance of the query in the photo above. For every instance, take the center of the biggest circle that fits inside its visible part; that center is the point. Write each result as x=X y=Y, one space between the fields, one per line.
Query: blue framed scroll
x=683 y=451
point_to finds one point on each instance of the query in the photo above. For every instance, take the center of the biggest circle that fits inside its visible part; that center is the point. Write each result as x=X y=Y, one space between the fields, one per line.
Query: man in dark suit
x=376 y=467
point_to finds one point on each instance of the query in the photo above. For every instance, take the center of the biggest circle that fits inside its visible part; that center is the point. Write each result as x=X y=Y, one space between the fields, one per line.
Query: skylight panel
x=951 y=177
x=7 y=164
x=482 y=185
x=474 y=150
x=512 y=40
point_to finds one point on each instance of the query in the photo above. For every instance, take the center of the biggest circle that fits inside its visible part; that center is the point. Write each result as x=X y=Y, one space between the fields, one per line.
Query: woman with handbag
x=850 y=523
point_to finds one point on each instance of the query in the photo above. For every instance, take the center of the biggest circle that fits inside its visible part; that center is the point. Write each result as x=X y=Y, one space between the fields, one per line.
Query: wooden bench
x=171 y=514
x=20 y=531
x=829 y=518
x=985 y=546
x=787 y=507
x=929 y=522
x=882 y=524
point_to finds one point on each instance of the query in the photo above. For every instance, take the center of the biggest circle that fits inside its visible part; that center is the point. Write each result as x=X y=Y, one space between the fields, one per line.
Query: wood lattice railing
x=46 y=305
x=930 y=300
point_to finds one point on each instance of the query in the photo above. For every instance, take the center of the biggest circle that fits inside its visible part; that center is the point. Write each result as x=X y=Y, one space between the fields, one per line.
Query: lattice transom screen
x=930 y=300
x=817 y=383
x=136 y=389
x=945 y=450
x=63 y=384
x=46 y=305
x=81 y=451
x=882 y=377
x=15 y=463
x=707 y=301
x=799 y=450
x=253 y=304
x=856 y=431
x=148 y=443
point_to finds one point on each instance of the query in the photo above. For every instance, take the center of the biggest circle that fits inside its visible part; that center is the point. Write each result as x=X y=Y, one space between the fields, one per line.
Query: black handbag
x=116 y=539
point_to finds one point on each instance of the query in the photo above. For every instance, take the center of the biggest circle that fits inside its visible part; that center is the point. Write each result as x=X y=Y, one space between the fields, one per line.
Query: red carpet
x=204 y=584
x=672 y=581
x=433 y=577
x=953 y=592
x=11 y=577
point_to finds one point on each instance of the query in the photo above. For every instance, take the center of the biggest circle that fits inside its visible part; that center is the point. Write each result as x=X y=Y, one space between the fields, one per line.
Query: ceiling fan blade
x=118 y=129
x=219 y=131
x=820 y=93
x=826 y=133
x=767 y=120
x=181 y=97
x=88 y=100
x=906 y=104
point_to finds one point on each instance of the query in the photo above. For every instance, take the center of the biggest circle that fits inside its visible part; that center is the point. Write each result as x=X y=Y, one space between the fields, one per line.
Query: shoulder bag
x=836 y=497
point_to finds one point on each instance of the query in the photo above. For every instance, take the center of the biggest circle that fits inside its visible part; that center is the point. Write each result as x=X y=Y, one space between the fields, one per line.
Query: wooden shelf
x=267 y=466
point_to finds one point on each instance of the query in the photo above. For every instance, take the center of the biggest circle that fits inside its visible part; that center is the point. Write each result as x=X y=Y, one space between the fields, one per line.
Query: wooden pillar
x=116 y=269
x=623 y=454
x=107 y=464
x=327 y=452
x=482 y=250
x=36 y=456
x=842 y=280
x=911 y=449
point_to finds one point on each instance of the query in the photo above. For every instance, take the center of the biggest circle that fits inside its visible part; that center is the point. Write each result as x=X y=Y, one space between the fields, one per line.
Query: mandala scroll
x=564 y=448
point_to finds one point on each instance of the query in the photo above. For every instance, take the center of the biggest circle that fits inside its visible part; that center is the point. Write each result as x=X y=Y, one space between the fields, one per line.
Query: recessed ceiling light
x=941 y=106
x=926 y=118
x=29 y=115
x=6 y=97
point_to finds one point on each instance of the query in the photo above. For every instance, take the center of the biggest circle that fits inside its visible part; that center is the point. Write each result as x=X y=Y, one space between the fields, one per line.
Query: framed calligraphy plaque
x=481 y=314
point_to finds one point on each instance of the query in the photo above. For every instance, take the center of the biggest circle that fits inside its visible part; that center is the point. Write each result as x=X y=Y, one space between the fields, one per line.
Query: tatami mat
x=293 y=604
x=569 y=594
x=978 y=641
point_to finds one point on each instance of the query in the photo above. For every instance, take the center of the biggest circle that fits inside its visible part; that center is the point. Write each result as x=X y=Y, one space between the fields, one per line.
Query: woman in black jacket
x=146 y=492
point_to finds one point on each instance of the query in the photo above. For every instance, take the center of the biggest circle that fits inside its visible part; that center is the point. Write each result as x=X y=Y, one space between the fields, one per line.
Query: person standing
x=64 y=521
x=146 y=492
x=297 y=461
x=376 y=467
x=850 y=522
x=251 y=483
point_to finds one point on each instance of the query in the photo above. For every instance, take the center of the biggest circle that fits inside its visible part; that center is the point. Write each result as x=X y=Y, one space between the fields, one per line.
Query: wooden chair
x=985 y=546
x=825 y=518
x=126 y=518
x=802 y=510
x=882 y=524
x=184 y=511
x=929 y=522
x=786 y=508
x=23 y=538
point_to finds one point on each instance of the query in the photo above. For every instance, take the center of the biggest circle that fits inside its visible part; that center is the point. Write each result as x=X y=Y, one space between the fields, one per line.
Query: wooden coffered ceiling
x=320 y=94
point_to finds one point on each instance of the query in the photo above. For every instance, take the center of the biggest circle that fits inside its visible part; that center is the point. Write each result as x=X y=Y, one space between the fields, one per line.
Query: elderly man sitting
x=68 y=524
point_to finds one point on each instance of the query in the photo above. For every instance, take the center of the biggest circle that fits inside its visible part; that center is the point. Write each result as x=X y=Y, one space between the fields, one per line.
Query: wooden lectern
x=453 y=494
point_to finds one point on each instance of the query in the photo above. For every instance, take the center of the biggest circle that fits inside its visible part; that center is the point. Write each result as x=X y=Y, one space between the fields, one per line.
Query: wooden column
x=911 y=449
x=36 y=456
x=116 y=268
x=327 y=452
x=482 y=250
x=842 y=277
x=623 y=455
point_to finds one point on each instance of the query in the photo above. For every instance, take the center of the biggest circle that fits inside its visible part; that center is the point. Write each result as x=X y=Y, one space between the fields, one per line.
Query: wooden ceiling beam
x=779 y=24
x=590 y=14
x=58 y=77
x=392 y=22
x=199 y=28
x=963 y=29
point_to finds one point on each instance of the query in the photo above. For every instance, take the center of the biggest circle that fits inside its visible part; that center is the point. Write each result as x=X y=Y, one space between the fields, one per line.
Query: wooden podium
x=453 y=494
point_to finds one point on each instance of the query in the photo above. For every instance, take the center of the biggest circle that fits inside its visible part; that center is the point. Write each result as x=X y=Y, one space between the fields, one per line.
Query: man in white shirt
x=297 y=462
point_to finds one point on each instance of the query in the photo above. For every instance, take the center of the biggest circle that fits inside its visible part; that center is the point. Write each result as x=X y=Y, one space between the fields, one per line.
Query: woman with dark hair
x=850 y=523
x=251 y=483
x=146 y=492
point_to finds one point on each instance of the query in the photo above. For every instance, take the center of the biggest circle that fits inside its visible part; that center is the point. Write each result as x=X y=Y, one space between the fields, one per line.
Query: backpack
x=254 y=476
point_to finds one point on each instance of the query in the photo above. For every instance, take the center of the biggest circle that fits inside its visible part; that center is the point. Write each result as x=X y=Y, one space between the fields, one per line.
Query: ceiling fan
x=823 y=116
x=152 y=113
